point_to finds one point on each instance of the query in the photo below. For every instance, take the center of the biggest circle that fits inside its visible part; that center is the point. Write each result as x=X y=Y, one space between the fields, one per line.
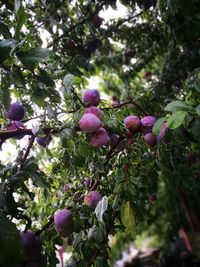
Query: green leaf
x=45 y=78
x=4 y=30
x=196 y=85
x=176 y=119
x=101 y=208
x=5 y=47
x=34 y=56
x=18 y=179
x=11 y=246
x=20 y=16
x=157 y=126
x=128 y=218
x=68 y=81
x=178 y=106
x=198 y=110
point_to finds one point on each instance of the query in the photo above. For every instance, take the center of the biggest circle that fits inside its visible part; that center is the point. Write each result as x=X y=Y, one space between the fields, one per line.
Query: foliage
x=145 y=63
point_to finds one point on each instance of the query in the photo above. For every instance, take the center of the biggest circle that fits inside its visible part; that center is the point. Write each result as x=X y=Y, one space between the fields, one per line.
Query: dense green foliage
x=147 y=62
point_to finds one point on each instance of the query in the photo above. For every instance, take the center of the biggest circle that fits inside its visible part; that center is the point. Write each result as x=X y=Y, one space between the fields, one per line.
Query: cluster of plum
x=91 y=124
x=91 y=120
x=63 y=219
x=16 y=115
x=145 y=125
x=32 y=249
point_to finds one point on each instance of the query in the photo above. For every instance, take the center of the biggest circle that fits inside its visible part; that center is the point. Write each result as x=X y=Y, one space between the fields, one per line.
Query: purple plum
x=162 y=132
x=147 y=123
x=16 y=125
x=63 y=220
x=91 y=97
x=132 y=123
x=97 y=21
x=99 y=138
x=147 y=75
x=114 y=138
x=88 y=181
x=43 y=141
x=152 y=197
x=32 y=245
x=89 y=123
x=150 y=140
x=95 y=111
x=7 y=115
x=92 y=199
x=191 y=158
x=16 y=111
x=65 y=188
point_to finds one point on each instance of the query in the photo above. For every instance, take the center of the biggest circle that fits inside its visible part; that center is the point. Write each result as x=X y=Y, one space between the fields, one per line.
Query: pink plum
x=32 y=245
x=147 y=123
x=91 y=97
x=63 y=220
x=92 y=199
x=43 y=141
x=99 y=138
x=15 y=125
x=89 y=123
x=132 y=123
x=16 y=111
x=95 y=111
x=65 y=188
x=150 y=139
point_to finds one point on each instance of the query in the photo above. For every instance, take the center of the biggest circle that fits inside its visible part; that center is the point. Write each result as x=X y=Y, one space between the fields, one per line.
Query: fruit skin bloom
x=91 y=97
x=63 y=221
x=99 y=138
x=89 y=123
x=95 y=111
x=132 y=123
x=147 y=123
x=92 y=199
x=16 y=111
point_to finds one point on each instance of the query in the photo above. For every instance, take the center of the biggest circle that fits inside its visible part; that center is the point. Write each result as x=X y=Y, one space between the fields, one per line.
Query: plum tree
x=145 y=63
x=92 y=199
x=91 y=97
x=63 y=221
x=89 y=123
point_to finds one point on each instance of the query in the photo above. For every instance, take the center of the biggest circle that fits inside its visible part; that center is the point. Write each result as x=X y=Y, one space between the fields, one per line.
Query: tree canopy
x=100 y=169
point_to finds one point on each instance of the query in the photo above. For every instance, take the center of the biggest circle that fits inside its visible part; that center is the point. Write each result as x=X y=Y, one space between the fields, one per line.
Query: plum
x=99 y=138
x=91 y=97
x=147 y=123
x=162 y=132
x=32 y=245
x=92 y=199
x=95 y=111
x=7 y=115
x=16 y=111
x=65 y=188
x=132 y=123
x=15 y=125
x=43 y=141
x=147 y=75
x=114 y=138
x=97 y=21
x=152 y=197
x=191 y=158
x=63 y=220
x=150 y=140
x=88 y=181
x=89 y=123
